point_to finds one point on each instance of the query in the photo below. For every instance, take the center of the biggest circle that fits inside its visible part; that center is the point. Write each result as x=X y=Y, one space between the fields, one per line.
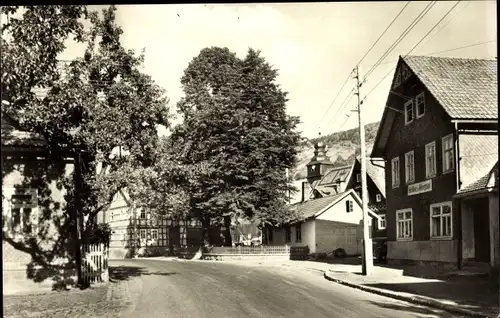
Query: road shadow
x=120 y=273
x=408 y=308
x=478 y=293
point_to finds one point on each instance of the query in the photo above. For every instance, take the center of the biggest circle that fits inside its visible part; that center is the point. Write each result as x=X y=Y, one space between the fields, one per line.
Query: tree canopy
x=93 y=104
x=235 y=142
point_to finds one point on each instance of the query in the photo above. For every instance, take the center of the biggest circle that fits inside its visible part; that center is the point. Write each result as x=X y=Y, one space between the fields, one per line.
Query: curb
x=418 y=300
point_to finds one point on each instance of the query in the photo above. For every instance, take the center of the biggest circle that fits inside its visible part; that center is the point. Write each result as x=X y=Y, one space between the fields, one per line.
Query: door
x=481 y=233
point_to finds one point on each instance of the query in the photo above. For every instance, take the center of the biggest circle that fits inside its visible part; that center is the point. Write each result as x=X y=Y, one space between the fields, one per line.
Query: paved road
x=209 y=289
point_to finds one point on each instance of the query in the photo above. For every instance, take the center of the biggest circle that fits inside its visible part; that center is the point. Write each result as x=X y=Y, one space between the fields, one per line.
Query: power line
x=367 y=52
x=386 y=29
x=427 y=34
x=446 y=24
x=444 y=51
x=400 y=38
x=342 y=106
x=331 y=104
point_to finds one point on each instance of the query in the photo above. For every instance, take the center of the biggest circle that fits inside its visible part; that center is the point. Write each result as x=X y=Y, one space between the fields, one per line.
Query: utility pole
x=367 y=259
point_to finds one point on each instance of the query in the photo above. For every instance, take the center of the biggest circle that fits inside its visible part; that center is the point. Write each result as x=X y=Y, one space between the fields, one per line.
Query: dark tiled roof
x=478 y=154
x=483 y=182
x=377 y=207
x=310 y=208
x=335 y=173
x=376 y=171
x=466 y=88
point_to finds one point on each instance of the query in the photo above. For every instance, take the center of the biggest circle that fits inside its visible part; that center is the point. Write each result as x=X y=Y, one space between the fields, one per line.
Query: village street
x=209 y=289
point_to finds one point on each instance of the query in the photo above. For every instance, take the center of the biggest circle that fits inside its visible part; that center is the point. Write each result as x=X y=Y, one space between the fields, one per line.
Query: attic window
x=397 y=81
x=420 y=105
x=378 y=197
x=406 y=73
x=408 y=112
x=358 y=177
x=349 y=206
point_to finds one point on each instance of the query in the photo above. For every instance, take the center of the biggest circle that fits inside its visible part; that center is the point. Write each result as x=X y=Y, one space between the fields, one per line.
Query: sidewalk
x=472 y=296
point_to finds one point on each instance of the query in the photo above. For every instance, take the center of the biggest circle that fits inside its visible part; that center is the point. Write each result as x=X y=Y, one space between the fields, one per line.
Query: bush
x=98 y=233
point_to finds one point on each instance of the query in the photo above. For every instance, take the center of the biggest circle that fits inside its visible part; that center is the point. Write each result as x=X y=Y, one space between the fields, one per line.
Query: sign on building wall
x=421 y=187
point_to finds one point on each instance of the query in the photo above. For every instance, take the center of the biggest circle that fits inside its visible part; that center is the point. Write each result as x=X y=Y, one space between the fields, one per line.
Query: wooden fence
x=250 y=250
x=95 y=263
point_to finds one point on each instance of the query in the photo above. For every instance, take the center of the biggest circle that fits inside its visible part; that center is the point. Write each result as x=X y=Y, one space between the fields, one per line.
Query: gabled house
x=327 y=223
x=35 y=225
x=136 y=232
x=330 y=202
x=439 y=136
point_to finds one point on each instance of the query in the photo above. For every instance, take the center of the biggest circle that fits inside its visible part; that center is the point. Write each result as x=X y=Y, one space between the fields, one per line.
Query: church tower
x=319 y=164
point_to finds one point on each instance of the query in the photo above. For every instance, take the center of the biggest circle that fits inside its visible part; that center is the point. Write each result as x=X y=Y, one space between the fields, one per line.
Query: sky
x=315 y=46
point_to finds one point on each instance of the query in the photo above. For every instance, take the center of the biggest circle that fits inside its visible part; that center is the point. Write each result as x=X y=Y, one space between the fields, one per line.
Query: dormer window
x=420 y=105
x=409 y=111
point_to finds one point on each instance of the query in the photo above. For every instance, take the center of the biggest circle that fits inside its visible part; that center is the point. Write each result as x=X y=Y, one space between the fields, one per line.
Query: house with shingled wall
x=439 y=138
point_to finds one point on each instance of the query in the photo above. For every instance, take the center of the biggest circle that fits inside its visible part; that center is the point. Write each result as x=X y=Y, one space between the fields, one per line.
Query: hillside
x=341 y=147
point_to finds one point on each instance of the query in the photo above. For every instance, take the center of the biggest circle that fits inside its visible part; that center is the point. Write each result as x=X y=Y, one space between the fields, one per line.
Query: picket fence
x=95 y=263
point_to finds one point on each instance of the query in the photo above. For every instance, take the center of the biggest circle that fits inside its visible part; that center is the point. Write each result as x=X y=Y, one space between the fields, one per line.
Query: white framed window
x=430 y=159
x=395 y=172
x=382 y=222
x=448 y=153
x=298 y=233
x=349 y=207
x=378 y=197
x=21 y=211
x=408 y=111
x=441 y=220
x=410 y=167
x=420 y=105
x=142 y=215
x=404 y=221
x=142 y=234
x=358 y=177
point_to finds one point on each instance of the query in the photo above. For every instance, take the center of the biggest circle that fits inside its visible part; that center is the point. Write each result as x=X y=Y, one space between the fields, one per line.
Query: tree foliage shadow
x=120 y=273
x=50 y=248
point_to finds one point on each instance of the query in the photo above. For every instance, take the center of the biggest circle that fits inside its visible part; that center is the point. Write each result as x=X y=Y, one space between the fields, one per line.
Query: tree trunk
x=76 y=219
x=205 y=223
x=228 y=241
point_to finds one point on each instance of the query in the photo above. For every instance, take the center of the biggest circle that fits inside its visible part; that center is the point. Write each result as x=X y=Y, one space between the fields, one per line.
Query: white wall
x=338 y=212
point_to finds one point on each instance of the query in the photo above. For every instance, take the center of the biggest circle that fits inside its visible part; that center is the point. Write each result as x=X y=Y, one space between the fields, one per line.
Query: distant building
x=439 y=138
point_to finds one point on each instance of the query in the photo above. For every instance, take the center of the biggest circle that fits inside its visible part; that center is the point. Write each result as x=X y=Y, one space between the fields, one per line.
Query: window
x=378 y=197
x=430 y=159
x=298 y=233
x=142 y=215
x=409 y=111
x=23 y=206
x=349 y=206
x=382 y=222
x=448 y=156
x=441 y=226
x=406 y=73
x=397 y=81
x=154 y=234
x=420 y=105
x=395 y=172
x=143 y=234
x=358 y=177
x=404 y=220
x=410 y=167
x=288 y=234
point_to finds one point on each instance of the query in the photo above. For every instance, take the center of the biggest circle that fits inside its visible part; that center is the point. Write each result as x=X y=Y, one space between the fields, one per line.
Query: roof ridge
x=451 y=57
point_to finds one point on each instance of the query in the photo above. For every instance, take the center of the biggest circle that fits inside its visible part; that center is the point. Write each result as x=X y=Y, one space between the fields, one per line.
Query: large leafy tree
x=236 y=140
x=92 y=105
